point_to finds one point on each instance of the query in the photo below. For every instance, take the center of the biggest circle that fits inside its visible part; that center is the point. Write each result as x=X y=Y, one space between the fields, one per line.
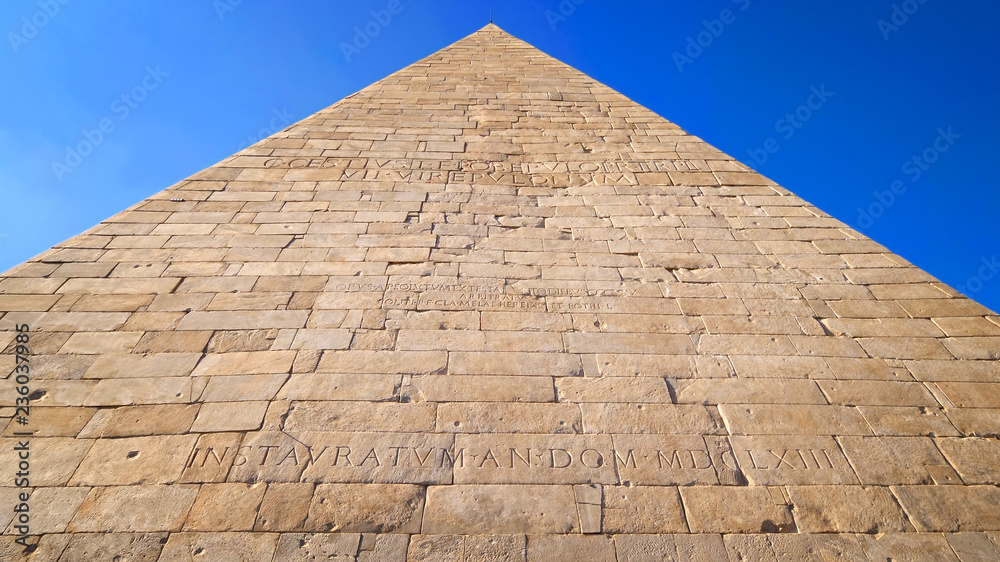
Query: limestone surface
x=488 y=308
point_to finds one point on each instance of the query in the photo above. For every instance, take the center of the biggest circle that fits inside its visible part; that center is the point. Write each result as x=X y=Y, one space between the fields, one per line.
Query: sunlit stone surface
x=489 y=309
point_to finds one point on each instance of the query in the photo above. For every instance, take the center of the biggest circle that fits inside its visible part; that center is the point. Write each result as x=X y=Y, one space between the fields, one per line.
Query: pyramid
x=490 y=309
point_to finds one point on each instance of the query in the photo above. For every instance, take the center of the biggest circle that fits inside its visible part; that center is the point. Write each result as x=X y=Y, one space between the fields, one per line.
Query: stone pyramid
x=490 y=309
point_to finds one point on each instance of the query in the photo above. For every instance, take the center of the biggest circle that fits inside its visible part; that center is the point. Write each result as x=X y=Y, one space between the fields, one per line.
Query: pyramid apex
x=491 y=27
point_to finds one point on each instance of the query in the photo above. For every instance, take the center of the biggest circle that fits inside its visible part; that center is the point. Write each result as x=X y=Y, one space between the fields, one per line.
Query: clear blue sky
x=213 y=75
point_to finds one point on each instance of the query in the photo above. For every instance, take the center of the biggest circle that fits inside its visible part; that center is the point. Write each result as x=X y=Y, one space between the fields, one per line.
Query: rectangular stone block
x=244 y=320
x=218 y=545
x=244 y=362
x=225 y=507
x=134 y=509
x=238 y=388
x=887 y=461
x=577 y=342
x=305 y=546
x=52 y=422
x=649 y=418
x=951 y=508
x=61 y=457
x=908 y=421
x=324 y=386
x=511 y=363
x=134 y=366
x=781 y=367
x=973 y=546
x=126 y=392
x=173 y=342
x=974 y=458
x=642 y=510
x=53 y=508
x=367 y=508
x=673 y=366
x=475 y=341
x=613 y=389
x=383 y=362
x=835 y=509
x=905 y=348
x=60 y=392
x=885 y=327
x=80 y=321
x=322 y=339
x=787 y=546
x=101 y=342
x=827 y=346
x=734 y=509
x=739 y=344
x=757 y=391
x=490 y=509
x=638 y=548
x=492 y=417
x=112 y=303
x=257 y=300
x=81 y=546
x=229 y=416
x=119 y=286
x=951 y=370
x=776 y=419
x=156 y=459
x=971 y=394
x=199 y=217
x=285 y=507
x=27 y=303
x=350 y=416
x=570 y=547
x=474 y=388
x=877 y=393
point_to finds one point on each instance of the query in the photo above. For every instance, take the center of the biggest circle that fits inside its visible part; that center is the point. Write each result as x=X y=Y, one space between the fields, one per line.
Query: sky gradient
x=881 y=113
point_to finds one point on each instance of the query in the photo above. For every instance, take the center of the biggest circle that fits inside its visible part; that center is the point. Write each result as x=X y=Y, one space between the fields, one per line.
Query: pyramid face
x=488 y=308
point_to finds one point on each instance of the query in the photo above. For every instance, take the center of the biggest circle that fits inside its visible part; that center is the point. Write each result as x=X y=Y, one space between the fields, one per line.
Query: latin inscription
x=461 y=296
x=794 y=459
x=439 y=457
x=548 y=174
x=443 y=459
